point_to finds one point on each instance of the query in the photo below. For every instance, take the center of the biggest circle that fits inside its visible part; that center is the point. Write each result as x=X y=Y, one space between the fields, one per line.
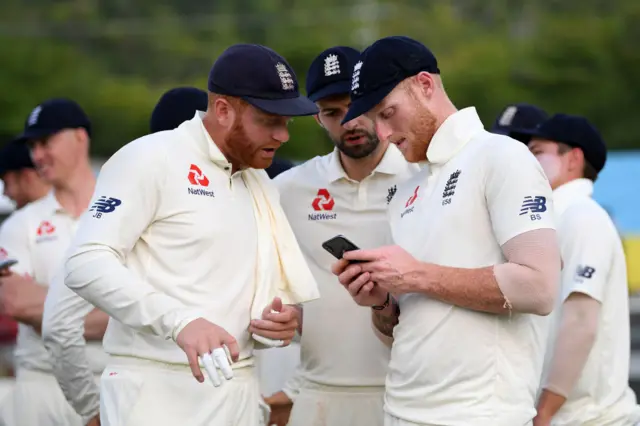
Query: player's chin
x=262 y=159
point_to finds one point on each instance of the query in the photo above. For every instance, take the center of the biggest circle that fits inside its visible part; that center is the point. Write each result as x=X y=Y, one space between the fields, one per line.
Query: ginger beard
x=247 y=152
x=421 y=131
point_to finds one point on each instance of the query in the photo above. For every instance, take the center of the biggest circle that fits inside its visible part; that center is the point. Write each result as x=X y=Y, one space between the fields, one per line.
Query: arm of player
x=587 y=245
x=63 y=326
x=20 y=296
x=129 y=186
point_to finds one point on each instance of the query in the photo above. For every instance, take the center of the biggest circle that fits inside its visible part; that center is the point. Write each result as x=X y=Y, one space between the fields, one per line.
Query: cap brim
x=333 y=89
x=34 y=134
x=293 y=107
x=367 y=102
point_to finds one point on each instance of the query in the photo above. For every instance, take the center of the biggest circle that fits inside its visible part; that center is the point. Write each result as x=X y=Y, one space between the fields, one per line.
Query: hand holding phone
x=338 y=245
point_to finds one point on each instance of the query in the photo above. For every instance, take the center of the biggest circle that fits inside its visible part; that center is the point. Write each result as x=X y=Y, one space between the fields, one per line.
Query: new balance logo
x=104 y=205
x=196 y=177
x=331 y=65
x=534 y=206
x=585 y=271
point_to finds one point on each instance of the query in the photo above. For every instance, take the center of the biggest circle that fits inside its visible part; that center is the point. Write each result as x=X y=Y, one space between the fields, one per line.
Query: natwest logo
x=323 y=202
x=408 y=207
x=196 y=177
x=45 y=232
x=45 y=228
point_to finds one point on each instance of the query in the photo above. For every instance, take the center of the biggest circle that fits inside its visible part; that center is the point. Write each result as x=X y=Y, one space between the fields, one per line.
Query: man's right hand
x=359 y=285
x=280 y=408
x=201 y=337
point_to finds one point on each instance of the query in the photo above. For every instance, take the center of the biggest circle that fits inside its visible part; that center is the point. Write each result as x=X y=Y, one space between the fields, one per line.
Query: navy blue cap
x=278 y=165
x=519 y=121
x=262 y=78
x=382 y=66
x=330 y=72
x=53 y=116
x=577 y=132
x=177 y=106
x=15 y=156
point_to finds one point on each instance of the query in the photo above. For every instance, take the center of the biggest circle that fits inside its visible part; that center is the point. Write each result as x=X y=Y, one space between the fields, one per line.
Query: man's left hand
x=21 y=297
x=278 y=322
x=390 y=267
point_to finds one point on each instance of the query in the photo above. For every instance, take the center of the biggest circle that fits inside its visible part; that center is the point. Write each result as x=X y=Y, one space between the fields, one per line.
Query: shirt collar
x=458 y=129
x=392 y=163
x=51 y=202
x=568 y=192
x=196 y=130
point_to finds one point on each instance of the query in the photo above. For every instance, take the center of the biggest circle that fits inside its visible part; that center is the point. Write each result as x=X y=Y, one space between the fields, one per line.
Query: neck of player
x=359 y=168
x=74 y=194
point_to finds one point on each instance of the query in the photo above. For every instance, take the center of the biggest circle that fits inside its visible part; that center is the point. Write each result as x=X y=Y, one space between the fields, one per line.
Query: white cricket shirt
x=594 y=264
x=38 y=235
x=338 y=345
x=171 y=237
x=453 y=366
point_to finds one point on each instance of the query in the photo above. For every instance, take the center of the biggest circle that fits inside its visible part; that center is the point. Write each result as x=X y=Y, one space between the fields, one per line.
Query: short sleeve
x=517 y=192
x=587 y=245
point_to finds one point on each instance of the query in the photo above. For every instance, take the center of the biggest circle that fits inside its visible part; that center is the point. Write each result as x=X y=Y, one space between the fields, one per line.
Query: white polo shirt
x=338 y=346
x=171 y=237
x=38 y=235
x=449 y=365
x=594 y=264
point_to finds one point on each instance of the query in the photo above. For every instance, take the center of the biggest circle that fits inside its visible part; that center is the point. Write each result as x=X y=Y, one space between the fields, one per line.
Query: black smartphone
x=338 y=245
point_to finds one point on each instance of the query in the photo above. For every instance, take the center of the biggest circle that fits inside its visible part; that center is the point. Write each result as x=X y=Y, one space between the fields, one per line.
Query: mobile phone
x=6 y=263
x=338 y=245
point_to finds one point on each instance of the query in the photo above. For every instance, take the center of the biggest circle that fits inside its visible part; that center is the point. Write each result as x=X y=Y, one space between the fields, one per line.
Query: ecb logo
x=104 y=205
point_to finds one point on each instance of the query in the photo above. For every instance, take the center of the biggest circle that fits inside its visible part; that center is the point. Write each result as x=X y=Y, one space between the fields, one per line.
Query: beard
x=368 y=145
x=420 y=134
x=244 y=151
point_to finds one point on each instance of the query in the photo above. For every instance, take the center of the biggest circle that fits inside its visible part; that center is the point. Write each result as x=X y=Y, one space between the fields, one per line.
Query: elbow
x=547 y=295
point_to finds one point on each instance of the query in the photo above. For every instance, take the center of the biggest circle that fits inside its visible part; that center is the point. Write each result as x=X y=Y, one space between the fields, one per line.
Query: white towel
x=281 y=269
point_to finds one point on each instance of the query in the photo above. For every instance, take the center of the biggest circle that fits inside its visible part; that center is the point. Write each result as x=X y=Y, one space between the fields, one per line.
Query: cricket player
x=586 y=378
x=187 y=249
x=22 y=183
x=172 y=110
x=518 y=121
x=465 y=291
x=343 y=364
x=65 y=311
x=57 y=133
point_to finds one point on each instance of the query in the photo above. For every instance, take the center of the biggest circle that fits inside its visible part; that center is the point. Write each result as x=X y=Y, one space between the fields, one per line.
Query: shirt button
x=226 y=168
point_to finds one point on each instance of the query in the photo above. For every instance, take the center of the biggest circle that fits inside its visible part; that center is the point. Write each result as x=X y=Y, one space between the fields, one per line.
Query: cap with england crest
x=519 y=121
x=261 y=77
x=384 y=65
x=330 y=72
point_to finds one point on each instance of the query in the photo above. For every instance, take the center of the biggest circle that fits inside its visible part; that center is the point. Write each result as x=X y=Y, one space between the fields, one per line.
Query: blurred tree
x=116 y=57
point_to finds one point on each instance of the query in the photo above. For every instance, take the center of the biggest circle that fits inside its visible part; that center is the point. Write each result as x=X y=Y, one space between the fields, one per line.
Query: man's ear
x=317 y=117
x=224 y=112
x=426 y=83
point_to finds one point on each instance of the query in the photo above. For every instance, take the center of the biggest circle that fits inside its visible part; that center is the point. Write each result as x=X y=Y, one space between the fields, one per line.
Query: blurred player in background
x=586 y=378
x=518 y=121
x=58 y=134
